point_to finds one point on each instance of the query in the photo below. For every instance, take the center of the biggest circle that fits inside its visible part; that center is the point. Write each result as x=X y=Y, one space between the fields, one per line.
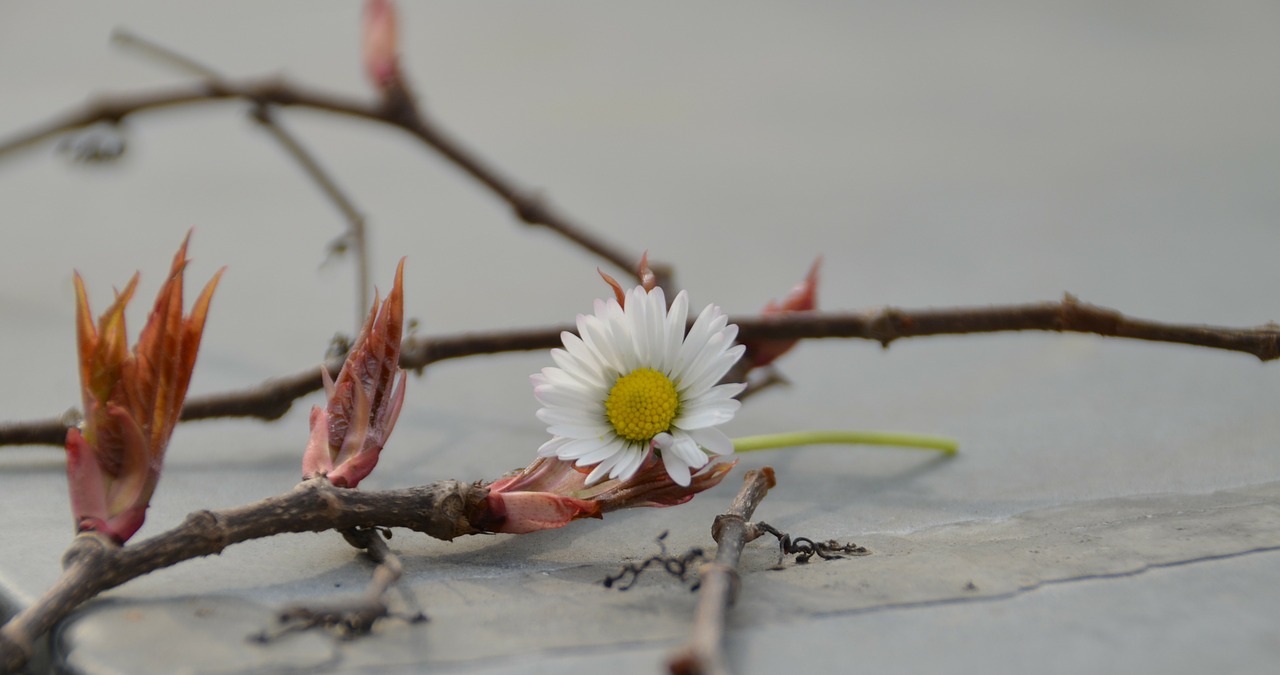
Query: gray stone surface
x=494 y=608
x=1114 y=504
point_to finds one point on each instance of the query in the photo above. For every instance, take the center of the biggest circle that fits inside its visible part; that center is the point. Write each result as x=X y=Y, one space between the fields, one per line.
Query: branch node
x=724 y=520
x=209 y=526
x=887 y=325
x=85 y=547
x=329 y=495
x=532 y=208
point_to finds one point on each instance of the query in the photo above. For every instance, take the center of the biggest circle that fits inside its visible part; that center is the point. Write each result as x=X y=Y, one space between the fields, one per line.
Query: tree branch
x=529 y=206
x=704 y=655
x=1070 y=315
x=275 y=397
x=262 y=114
x=93 y=564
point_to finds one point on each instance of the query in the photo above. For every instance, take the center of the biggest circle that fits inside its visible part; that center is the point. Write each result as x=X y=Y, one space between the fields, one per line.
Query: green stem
x=947 y=446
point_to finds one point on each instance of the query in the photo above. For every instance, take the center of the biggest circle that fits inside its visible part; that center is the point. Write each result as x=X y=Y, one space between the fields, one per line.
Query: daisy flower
x=631 y=382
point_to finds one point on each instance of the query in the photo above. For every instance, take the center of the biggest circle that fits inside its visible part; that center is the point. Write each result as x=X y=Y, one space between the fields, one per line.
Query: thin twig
x=352 y=617
x=530 y=207
x=356 y=237
x=261 y=113
x=273 y=398
x=159 y=53
x=704 y=655
x=93 y=564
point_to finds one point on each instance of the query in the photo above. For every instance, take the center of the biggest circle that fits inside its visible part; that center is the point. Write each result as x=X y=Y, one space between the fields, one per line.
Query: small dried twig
x=353 y=617
x=680 y=567
x=704 y=655
x=356 y=238
x=804 y=548
x=93 y=565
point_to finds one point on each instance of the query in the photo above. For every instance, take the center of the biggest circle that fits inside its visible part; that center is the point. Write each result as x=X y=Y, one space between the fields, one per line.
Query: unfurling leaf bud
x=347 y=434
x=132 y=400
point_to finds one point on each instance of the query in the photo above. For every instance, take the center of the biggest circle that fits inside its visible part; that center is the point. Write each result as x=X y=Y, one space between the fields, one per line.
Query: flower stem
x=944 y=444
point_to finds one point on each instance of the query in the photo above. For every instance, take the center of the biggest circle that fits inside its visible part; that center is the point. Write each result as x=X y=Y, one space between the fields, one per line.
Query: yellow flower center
x=642 y=404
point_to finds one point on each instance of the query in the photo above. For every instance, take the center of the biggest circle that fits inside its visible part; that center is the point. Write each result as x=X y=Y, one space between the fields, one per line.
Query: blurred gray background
x=936 y=154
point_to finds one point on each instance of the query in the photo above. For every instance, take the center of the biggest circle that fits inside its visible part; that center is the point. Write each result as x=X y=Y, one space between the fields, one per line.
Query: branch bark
x=93 y=564
x=531 y=207
x=275 y=397
x=704 y=655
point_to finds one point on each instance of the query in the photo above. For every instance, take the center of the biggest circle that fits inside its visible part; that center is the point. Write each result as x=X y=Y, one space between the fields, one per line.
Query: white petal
x=584 y=355
x=658 y=298
x=713 y=441
x=686 y=449
x=625 y=470
x=583 y=446
x=559 y=378
x=639 y=310
x=551 y=395
x=655 y=329
x=628 y=461
x=600 y=471
x=552 y=446
x=720 y=392
x=675 y=327
x=621 y=336
x=573 y=416
x=598 y=336
x=717 y=395
x=707 y=416
x=706 y=367
x=708 y=323
x=700 y=388
x=604 y=453
x=677 y=469
x=580 y=431
x=713 y=358
x=588 y=373
x=588 y=323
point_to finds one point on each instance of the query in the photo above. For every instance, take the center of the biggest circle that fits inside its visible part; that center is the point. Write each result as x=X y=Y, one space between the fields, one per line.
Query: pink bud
x=648 y=280
x=347 y=435
x=381 y=45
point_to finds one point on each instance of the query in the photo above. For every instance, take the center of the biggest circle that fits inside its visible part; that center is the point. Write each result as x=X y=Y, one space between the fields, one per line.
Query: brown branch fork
x=399 y=111
x=92 y=564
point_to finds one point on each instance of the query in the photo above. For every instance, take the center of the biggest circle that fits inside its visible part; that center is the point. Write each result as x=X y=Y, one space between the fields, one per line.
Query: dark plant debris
x=683 y=567
x=804 y=548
